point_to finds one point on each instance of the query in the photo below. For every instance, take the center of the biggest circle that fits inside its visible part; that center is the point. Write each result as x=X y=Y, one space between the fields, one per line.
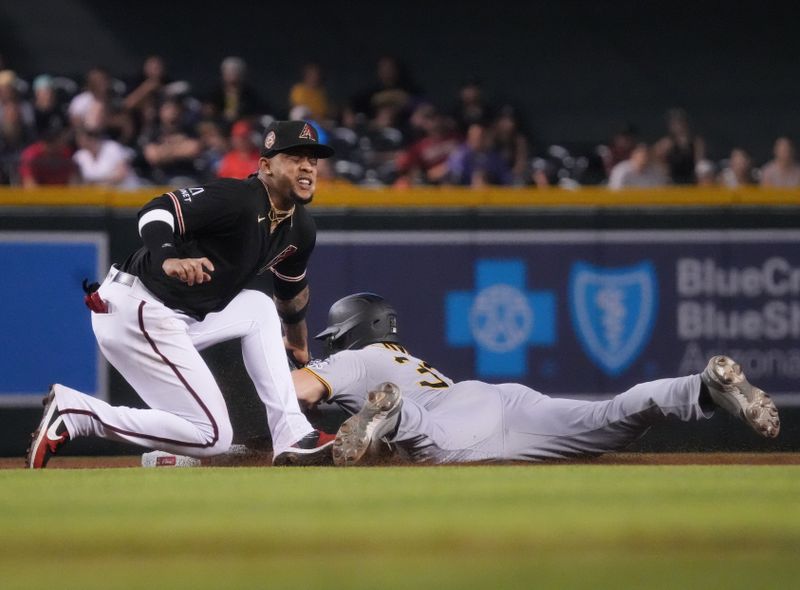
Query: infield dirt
x=263 y=460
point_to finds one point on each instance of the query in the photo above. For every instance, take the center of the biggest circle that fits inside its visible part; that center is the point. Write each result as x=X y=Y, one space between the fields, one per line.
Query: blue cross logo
x=500 y=318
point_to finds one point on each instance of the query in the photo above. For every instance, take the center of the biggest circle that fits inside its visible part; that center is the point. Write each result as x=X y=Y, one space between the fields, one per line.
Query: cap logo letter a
x=308 y=132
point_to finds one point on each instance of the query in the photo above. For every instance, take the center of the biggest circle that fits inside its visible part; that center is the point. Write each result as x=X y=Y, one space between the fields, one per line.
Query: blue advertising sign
x=613 y=311
x=47 y=334
x=500 y=317
x=579 y=312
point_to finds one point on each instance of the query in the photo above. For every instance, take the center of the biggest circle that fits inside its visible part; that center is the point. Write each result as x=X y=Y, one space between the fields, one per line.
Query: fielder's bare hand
x=298 y=357
x=189 y=270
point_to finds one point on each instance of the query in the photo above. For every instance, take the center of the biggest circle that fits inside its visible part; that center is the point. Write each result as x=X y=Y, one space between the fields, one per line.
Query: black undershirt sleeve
x=159 y=241
x=285 y=290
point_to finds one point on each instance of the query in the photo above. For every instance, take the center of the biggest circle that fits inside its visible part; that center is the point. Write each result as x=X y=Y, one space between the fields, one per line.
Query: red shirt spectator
x=47 y=161
x=426 y=160
x=242 y=160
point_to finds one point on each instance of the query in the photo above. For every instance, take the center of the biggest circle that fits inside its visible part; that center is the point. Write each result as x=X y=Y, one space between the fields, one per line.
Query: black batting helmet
x=358 y=320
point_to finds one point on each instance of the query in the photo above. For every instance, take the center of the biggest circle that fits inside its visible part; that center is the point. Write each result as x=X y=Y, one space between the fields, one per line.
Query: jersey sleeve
x=344 y=376
x=196 y=209
x=177 y=215
x=289 y=274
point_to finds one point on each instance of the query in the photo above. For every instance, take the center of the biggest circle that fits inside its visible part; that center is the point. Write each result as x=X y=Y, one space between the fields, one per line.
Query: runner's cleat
x=730 y=390
x=379 y=416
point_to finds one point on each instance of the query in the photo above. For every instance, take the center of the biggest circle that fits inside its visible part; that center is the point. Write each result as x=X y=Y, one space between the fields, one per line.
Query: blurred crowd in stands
x=156 y=130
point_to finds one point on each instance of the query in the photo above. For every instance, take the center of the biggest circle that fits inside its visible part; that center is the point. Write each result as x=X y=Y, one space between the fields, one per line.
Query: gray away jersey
x=446 y=422
x=350 y=375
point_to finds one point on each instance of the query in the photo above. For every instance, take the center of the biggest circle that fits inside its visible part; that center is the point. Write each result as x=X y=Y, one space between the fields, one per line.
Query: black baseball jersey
x=227 y=222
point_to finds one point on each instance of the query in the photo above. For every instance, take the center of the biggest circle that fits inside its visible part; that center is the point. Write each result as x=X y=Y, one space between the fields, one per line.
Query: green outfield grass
x=589 y=526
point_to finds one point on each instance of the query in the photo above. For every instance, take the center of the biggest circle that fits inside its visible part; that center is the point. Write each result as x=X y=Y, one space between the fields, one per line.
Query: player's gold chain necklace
x=275 y=215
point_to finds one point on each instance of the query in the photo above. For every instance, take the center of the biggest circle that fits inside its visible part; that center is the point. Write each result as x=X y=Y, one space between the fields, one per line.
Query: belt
x=124 y=278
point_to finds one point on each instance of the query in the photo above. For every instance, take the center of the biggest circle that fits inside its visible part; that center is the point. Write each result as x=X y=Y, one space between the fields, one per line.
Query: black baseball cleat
x=379 y=417
x=731 y=391
x=49 y=437
x=313 y=449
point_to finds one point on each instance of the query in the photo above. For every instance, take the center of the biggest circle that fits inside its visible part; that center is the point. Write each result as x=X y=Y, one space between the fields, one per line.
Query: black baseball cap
x=282 y=136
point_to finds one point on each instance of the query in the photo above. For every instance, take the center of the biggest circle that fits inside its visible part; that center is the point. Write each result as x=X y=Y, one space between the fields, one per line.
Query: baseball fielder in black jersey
x=191 y=286
x=228 y=222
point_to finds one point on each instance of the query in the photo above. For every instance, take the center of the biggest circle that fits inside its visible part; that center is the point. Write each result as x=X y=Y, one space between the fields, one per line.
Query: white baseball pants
x=156 y=349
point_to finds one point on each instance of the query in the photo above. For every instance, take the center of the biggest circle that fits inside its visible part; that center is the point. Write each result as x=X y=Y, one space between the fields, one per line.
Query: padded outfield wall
x=580 y=293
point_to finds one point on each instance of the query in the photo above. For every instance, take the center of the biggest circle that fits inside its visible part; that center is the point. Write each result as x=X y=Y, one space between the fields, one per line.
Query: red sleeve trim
x=176 y=203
